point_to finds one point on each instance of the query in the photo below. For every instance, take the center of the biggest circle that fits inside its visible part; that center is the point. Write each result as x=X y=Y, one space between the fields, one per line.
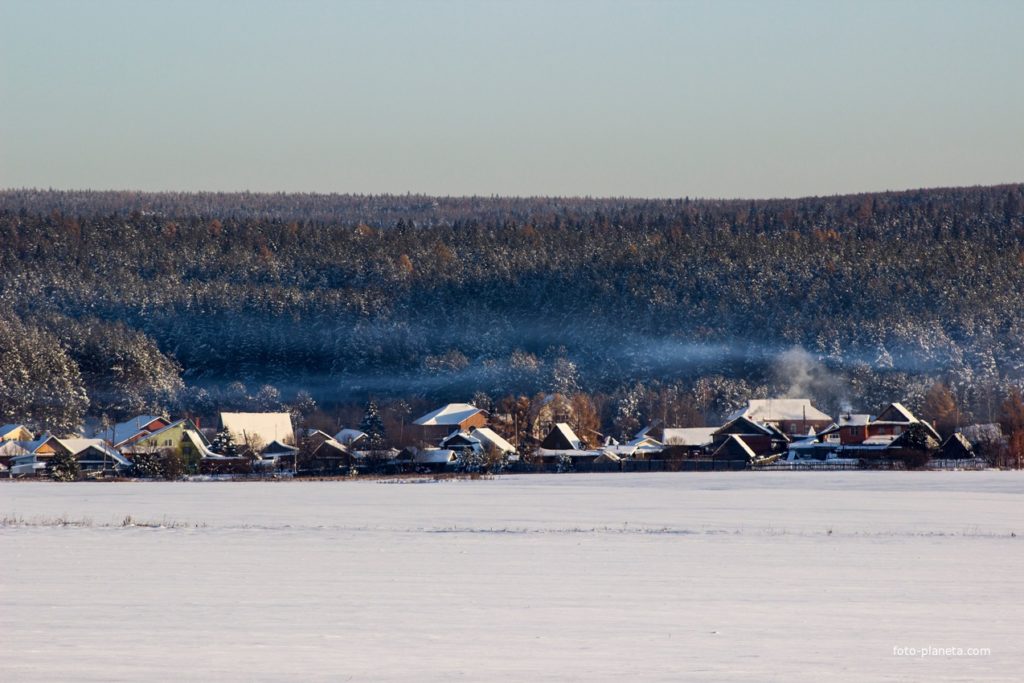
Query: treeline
x=148 y=300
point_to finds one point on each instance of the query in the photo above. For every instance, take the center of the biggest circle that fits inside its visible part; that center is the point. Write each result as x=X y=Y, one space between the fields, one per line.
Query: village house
x=956 y=447
x=794 y=417
x=95 y=455
x=171 y=438
x=349 y=437
x=479 y=440
x=894 y=420
x=454 y=417
x=326 y=453
x=14 y=432
x=562 y=444
x=123 y=434
x=20 y=458
x=861 y=437
x=761 y=439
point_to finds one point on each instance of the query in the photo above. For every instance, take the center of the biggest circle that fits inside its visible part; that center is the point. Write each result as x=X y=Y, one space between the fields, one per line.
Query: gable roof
x=896 y=412
x=561 y=438
x=268 y=427
x=349 y=436
x=433 y=456
x=778 y=409
x=460 y=438
x=123 y=432
x=201 y=444
x=957 y=446
x=744 y=425
x=185 y=423
x=491 y=437
x=36 y=444
x=276 y=449
x=15 y=432
x=11 y=448
x=451 y=415
x=733 y=446
x=79 y=446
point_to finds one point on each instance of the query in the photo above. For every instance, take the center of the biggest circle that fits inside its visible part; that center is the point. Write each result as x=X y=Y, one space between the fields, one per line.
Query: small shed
x=956 y=447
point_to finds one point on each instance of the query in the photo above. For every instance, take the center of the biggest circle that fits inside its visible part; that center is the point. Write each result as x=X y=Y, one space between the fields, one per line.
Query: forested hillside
x=116 y=302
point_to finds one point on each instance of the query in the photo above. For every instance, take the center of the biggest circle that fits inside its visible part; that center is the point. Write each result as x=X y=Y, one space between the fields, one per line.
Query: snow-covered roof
x=493 y=438
x=13 y=448
x=810 y=442
x=451 y=414
x=349 y=436
x=276 y=449
x=901 y=411
x=777 y=409
x=6 y=430
x=267 y=427
x=688 y=436
x=77 y=446
x=433 y=456
x=389 y=454
x=124 y=431
x=854 y=420
x=643 y=432
x=200 y=443
x=156 y=433
x=568 y=436
x=36 y=444
x=739 y=440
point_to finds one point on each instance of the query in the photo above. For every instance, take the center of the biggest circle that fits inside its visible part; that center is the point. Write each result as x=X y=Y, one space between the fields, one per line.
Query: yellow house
x=169 y=438
x=14 y=432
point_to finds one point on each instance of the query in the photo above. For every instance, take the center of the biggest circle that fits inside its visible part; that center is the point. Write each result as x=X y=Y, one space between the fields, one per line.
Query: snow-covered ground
x=699 y=576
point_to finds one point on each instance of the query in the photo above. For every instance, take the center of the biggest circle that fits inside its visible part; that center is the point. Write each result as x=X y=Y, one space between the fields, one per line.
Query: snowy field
x=781 y=576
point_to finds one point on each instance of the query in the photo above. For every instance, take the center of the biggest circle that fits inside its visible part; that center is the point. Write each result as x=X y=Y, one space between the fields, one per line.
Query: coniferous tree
x=224 y=444
x=63 y=467
x=373 y=426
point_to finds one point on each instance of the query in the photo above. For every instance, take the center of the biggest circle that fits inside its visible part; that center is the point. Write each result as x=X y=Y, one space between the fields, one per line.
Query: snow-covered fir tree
x=373 y=426
x=224 y=444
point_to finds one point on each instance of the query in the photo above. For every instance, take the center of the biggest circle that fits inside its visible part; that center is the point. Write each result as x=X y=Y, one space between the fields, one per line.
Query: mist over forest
x=123 y=302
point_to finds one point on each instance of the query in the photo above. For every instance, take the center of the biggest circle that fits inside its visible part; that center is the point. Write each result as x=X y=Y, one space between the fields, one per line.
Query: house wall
x=19 y=434
x=877 y=429
x=170 y=439
x=800 y=427
x=853 y=434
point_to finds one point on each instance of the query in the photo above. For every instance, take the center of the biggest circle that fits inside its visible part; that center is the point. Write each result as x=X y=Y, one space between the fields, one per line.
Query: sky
x=642 y=99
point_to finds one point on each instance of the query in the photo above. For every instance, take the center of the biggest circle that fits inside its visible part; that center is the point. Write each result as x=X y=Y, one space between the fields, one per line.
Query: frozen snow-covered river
x=714 y=576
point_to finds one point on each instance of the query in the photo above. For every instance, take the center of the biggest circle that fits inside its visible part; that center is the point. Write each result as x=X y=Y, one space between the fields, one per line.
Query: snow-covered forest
x=118 y=302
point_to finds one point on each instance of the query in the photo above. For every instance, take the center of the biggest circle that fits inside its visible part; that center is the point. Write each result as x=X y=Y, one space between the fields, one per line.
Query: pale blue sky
x=668 y=99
